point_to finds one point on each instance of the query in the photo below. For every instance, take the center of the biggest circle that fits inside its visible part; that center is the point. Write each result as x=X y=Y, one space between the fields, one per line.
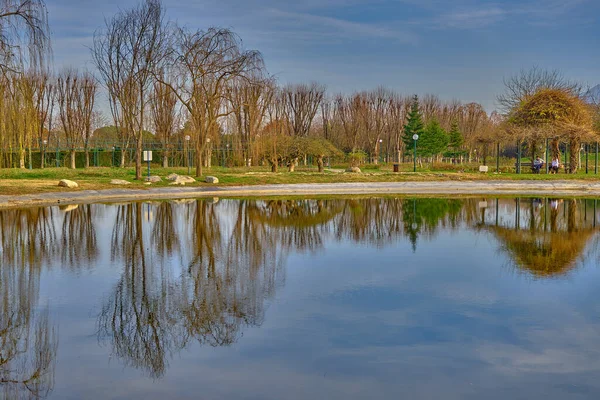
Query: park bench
x=529 y=165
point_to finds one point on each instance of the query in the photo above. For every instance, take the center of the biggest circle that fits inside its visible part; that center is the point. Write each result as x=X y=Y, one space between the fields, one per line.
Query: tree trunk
x=138 y=157
x=273 y=165
x=87 y=158
x=554 y=149
x=198 y=163
x=575 y=145
x=43 y=159
x=72 y=159
x=22 y=159
x=122 y=162
x=320 y=164
x=292 y=164
x=165 y=160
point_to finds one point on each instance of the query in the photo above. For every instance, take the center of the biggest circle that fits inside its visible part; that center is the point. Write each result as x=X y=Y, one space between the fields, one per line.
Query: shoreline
x=462 y=188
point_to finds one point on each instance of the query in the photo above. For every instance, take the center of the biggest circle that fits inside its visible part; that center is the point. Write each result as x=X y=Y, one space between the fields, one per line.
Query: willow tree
x=24 y=35
x=557 y=114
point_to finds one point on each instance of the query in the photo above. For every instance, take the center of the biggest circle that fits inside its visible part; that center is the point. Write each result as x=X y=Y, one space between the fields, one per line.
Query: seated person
x=538 y=163
x=554 y=166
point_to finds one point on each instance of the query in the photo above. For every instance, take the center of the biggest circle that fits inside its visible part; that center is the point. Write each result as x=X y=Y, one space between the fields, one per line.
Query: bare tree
x=302 y=103
x=527 y=82
x=163 y=106
x=249 y=99
x=208 y=62
x=75 y=95
x=127 y=53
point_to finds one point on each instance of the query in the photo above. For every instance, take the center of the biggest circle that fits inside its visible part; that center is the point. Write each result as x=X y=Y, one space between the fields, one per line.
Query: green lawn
x=16 y=181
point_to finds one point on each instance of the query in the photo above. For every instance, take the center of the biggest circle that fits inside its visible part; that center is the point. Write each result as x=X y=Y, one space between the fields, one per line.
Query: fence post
x=519 y=156
x=546 y=155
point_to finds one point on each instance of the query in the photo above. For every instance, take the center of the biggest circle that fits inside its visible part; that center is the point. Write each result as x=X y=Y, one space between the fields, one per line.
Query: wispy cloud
x=340 y=28
x=531 y=12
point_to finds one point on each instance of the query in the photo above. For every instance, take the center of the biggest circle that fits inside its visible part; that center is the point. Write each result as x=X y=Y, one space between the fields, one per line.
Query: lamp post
x=187 y=141
x=415 y=138
x=379 y=152
x=44 y=143
x=57 y=144
x=226 y=153
x=208 y=153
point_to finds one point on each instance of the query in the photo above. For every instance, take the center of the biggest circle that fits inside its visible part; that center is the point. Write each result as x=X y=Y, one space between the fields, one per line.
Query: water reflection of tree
x=136 y=319
x=424 y=216
x=28 y=342
x=28 y=236
x=551 y=241
x=79 y=245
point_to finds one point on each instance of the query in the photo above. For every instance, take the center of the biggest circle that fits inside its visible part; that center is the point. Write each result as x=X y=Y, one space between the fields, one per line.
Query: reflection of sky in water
x=451 y=320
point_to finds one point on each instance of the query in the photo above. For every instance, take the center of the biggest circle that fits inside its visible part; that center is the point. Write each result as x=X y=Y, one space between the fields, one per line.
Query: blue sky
x=452 y=48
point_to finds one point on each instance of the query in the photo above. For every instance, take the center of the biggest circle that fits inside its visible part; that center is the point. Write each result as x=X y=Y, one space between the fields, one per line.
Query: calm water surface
x=305 y=299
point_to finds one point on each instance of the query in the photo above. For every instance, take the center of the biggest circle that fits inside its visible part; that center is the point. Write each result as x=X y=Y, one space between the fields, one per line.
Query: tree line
x=204 y=89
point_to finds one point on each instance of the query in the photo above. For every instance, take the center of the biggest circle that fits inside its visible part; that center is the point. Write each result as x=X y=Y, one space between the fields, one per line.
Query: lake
x=341 y=298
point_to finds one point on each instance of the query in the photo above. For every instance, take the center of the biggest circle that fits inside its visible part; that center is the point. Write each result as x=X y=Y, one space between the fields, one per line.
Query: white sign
x=148 y=155
x=483 y=168
x=415 y=137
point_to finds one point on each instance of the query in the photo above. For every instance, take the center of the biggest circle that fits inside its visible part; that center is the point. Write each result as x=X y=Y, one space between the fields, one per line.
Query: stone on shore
x=154 y=179
x=119 y=182
x=354 y=170
x=67 y=183
x=179 y=179
x=211 y=179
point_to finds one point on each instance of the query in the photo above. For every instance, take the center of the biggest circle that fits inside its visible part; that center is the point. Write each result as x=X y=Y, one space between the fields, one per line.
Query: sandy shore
x=463 y=188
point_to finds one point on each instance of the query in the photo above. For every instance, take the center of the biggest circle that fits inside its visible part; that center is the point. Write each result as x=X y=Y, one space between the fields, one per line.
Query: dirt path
x=541 y=188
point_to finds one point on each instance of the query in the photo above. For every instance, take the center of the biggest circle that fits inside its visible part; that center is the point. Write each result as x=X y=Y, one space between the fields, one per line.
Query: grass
x=17 y=181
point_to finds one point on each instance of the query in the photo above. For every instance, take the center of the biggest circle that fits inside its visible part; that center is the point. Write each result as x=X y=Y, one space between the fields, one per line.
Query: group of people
x=538 y=164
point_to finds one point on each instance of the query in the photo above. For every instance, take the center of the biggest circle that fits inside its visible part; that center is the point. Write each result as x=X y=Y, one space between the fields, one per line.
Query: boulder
x=119 y=182
x=171 y=177
x=147 y=183
x=211 y=179
x=153 y=179
x=354 y=170
x=183 y=179
x=67 y=183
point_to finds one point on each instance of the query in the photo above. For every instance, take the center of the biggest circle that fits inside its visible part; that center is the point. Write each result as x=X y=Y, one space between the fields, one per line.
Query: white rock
x=67 y=183
x=153 y=179
x=119 y=182
x=211 y=179
x=354 y=170
x=182 y=179
x=172 y=177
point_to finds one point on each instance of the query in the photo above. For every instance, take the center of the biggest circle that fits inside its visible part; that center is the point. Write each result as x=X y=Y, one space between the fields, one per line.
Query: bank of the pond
x=447 y=188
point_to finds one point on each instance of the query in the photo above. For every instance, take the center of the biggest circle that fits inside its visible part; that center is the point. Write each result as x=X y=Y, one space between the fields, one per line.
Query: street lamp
x=415 y=138
x=208 y=153
x=187 y=140
x=379 y=155
x=44 y=142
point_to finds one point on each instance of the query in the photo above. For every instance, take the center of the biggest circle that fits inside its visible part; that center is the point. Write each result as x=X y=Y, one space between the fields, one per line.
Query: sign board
x=148 y=155
x=483 y=168
x=482 y=204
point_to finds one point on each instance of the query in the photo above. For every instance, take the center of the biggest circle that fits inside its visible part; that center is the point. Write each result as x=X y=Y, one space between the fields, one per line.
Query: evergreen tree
x=414 y=125
x=433 y=141
x=456 y=138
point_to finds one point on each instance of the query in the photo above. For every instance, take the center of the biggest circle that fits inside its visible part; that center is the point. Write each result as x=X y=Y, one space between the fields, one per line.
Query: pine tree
x=456 y=138
x=414 y=124
x=433 y=141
